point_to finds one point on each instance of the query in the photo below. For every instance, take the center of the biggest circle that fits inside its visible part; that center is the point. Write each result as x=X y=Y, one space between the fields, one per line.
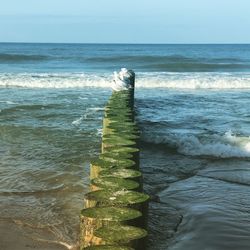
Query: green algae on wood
x=121 y=135
x=117 y=128
x=118 y=141
x=103 y=164
x=121 y=112
x=130 y=174
x=108 y=247
x=116 y=155
x=117 y=121
x=120 y=99
x=114 y=118
x=117 y=198
x=122 y=132
x=113 y=183
x=125 y=149
x=119 y=138
x=96 y=217
x=110 y=142
x=121 y=234
x=116 y=105
x=121 y=124
x=121 y=173
x=97 y=165
x=113 y=173
x=121 y=198
x=122 y=162
x=116 y=97
x=116 y=214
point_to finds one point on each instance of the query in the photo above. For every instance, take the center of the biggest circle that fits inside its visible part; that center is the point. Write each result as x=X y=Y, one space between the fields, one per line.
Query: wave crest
x=194 y=81
x=143 y=80
x=54 y=80
x=225 y=146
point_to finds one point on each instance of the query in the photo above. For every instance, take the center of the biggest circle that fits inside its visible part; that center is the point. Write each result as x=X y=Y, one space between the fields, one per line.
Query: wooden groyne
x=115 y=210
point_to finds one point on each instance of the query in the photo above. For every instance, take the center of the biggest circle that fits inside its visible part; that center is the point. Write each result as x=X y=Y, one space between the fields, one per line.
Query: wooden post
x=97 y=217
x=116 y=200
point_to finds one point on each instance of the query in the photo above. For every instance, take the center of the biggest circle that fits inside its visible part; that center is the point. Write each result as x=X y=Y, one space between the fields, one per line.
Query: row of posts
x=115 y=210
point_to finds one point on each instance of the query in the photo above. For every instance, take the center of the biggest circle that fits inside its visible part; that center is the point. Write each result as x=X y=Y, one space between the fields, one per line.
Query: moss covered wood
x=125 y=174
x=113 y=183
x=118 y=142
x=124 y=149
x=99 y=164
x=121 y=135
x=108 y=247
x=117 y=129
x=116 y=155
x=120 y=198
x=124 y=235
x=121 y=173
x=114 y=178
x=97 y=217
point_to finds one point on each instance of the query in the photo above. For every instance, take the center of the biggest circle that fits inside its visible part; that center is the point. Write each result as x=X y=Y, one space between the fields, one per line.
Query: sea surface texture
x=192 y=104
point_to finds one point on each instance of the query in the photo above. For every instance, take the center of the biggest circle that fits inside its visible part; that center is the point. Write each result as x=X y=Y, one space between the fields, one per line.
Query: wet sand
x=12 y=237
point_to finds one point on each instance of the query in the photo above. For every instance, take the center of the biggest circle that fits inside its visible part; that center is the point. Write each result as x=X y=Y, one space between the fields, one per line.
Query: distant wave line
x=175 y=62
x=21 y=57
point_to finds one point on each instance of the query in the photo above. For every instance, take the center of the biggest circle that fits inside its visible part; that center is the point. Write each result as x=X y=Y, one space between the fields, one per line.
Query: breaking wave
x=54 y=80
x=219 y=146
x=143 y=80
x=194 y=81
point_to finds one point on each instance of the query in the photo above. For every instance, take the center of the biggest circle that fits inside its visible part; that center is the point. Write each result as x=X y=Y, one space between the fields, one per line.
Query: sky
x=130 y=21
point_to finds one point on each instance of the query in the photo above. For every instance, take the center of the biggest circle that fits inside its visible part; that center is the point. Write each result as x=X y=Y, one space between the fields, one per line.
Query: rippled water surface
x=47 y=140
x=192 y=105
x=195 y=158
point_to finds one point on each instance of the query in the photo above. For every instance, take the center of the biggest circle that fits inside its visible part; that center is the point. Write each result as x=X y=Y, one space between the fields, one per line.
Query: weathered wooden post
x=115 y=213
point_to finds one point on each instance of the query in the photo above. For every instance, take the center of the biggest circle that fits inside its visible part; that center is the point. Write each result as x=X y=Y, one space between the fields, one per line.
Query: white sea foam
x=194 y=81
x=143 y=80
x=9 y=102
x=63 y=80
x=78 y=121
x=96 y=109
x=99 y=132
x=225 y=146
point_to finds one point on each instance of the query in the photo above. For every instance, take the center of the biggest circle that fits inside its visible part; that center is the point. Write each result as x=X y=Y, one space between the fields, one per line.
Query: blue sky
x=130 y=21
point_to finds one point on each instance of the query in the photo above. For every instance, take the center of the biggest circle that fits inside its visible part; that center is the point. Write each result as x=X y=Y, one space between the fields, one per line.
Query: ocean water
x=192 y=104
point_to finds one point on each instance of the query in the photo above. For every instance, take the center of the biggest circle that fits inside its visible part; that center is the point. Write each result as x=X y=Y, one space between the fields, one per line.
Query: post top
x=123 y=80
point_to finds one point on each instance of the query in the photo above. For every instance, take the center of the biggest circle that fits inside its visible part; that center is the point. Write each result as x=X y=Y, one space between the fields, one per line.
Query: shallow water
x=196 y=166
x=192 y=108
x=47 y=140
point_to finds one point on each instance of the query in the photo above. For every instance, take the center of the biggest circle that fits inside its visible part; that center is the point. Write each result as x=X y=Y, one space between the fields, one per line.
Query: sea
x=192 y=106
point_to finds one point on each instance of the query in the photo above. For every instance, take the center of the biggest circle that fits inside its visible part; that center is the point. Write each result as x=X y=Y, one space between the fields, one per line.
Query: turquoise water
x=48 y=138
x=192 y=108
